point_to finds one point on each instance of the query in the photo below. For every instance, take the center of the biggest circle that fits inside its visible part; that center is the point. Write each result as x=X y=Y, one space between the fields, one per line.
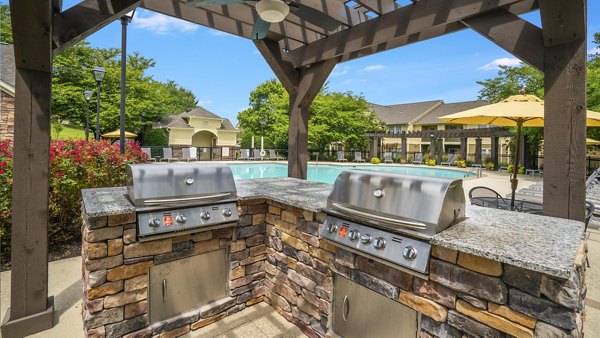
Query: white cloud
x=354 y=81
x=340 y=71
x=204 y=102
x=595 y=50
x=161 y=24
x=373 y=67
x=215 y=32
x=495 y=64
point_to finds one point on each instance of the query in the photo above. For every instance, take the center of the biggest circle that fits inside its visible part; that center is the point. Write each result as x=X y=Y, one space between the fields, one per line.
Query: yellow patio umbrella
x=117 y=134
x=591 y=142
x=516 y=111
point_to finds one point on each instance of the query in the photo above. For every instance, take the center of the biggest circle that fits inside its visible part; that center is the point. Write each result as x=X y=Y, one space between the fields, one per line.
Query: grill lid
x=152 y=185
x=416 y=204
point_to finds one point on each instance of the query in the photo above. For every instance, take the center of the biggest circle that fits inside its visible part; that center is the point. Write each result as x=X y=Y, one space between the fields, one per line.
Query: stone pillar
x=374 y=147
x=440 y=150
x=404 y=148
x=463 y=147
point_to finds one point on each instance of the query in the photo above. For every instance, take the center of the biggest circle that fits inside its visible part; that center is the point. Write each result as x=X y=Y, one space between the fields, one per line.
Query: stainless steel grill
x=179 y=198
x=391 y=217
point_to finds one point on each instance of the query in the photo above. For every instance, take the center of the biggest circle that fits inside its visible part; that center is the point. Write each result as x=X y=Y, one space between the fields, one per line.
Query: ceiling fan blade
x=214 y=2
x=314 y=16
x=260 y=29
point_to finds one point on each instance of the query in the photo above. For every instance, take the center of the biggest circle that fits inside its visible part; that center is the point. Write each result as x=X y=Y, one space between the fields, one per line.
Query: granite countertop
x=539 y=243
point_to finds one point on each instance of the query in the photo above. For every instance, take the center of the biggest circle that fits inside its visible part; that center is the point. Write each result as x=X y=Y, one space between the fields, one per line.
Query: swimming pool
x=328 y=173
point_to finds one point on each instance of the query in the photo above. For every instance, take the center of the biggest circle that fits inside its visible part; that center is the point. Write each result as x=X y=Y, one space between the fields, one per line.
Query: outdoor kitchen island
x=497 y=274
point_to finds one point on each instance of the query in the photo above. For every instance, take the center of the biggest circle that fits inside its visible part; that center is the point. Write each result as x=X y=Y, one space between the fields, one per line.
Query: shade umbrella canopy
x=591 y=142
x=516 y=111
x=117 y=134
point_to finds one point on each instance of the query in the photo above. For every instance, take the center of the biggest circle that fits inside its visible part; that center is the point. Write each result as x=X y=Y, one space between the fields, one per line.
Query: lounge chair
x=358 y=157
x=489 y=198
x=168 y=155
x=148 y=152
x=340 y=157
x=244 y=155
x=273 y=155
x=256 y=155
x=187 y=155
x=451 y=159
x=418 y=159
x=387 y=158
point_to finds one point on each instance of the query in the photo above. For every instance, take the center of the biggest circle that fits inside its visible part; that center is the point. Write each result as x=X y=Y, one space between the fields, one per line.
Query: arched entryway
x=204 y=139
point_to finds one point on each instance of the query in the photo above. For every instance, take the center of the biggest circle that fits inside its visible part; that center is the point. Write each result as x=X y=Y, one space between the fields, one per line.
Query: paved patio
x=261 y=320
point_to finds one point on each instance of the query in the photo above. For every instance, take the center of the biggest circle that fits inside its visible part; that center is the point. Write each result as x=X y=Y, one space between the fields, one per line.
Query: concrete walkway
x=261 y=320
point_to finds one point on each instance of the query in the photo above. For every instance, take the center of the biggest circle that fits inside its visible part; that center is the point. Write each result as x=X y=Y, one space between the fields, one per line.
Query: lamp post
x=98 y=73
x=125 y=19
x=262 y=122
x=87 y=94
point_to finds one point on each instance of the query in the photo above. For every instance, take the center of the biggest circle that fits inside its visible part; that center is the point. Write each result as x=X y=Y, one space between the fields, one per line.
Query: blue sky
x=222 y=69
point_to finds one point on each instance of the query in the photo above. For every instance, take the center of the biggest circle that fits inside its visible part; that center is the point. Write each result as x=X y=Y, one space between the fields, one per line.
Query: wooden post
x=440 y=150
x=302 y=85
x=478 y=150
x=374 y=147
x=463 y=148
x=30 y=310
x=495 y=140
x=404 y=147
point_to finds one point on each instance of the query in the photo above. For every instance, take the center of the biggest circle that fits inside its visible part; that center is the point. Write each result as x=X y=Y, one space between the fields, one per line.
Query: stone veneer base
x=276 y=255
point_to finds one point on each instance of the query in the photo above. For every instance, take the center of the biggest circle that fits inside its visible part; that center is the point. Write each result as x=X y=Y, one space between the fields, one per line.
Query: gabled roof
x=181 y=120
x=7 y=66
x=447 y=109
x=402 y=113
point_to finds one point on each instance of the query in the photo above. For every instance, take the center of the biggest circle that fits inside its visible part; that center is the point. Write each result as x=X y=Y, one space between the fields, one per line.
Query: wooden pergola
x=302 y=55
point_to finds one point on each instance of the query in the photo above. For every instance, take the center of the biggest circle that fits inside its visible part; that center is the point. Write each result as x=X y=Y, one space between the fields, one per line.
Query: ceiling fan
x=272 y=11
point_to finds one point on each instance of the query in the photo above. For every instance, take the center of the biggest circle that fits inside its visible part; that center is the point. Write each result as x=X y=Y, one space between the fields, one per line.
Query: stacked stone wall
x=115 y=273
x=7 y=116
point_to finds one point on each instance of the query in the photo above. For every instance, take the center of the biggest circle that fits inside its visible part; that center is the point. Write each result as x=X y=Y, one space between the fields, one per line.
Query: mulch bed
x=65 y=248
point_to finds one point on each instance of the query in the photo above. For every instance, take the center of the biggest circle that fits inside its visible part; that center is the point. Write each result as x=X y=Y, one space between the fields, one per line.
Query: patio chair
x=256 y=155
x=451 y=159
x=244 y=155
x=148 y=152
x=168 y=155
x=340 y=157
x=187 y=155
x=418 y=159
x=273 y=155
x=489 y=198
x=387 y=158
x=358 y=157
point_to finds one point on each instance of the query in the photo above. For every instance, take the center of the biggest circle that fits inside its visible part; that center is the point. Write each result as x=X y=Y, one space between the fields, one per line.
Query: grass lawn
x=70 y=132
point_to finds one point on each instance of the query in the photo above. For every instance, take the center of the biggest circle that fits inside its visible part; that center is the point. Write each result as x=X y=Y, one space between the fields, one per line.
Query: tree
x=334 y=117
x=5 y=24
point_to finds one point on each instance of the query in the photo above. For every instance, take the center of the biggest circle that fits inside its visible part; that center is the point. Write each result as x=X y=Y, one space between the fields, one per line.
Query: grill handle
x=184 y=199
x=164 y=290
x=377 y=218
x=345 y=308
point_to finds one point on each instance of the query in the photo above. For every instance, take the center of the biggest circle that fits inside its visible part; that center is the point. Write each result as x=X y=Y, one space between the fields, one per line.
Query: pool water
x=328 y=173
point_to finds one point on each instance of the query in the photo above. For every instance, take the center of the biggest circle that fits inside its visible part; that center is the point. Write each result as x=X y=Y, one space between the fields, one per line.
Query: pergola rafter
x=41 y=29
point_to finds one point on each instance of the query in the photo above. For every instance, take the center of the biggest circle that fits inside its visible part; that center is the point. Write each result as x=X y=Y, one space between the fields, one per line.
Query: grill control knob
x=181 y=218
x=332 y=227
x=409 y=253
x=227 y=212
x=366 y=239
x=154 y=222
x=379 y=243
x=354 y=235
x=205 y=215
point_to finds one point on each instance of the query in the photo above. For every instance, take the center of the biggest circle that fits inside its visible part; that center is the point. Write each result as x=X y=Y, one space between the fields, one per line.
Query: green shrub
x=430 y=162
x=520 y=171
x=461 y=163
x=375 y=160
x=156 y=137
x=74 y=165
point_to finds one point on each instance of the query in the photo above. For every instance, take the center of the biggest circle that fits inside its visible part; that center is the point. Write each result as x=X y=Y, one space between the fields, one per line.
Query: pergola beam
x=513 y=34
x=404 y=21
x=379 y=6
x=562 y=21
x=85 y=18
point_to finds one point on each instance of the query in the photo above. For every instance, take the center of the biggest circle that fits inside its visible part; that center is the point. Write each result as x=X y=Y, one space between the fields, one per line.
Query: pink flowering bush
x=74 y=165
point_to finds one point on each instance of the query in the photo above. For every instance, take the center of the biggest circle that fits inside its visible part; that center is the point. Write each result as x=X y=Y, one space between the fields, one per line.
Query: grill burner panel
x=390 y=247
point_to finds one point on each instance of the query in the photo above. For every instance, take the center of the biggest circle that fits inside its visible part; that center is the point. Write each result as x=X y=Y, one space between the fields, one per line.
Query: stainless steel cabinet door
x=362 y=313
x=181 y=285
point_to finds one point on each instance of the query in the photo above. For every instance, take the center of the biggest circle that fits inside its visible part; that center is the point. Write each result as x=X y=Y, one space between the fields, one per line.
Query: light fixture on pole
x=87 y=95
x=263 y=122
x=98 y=73
x=125 y=19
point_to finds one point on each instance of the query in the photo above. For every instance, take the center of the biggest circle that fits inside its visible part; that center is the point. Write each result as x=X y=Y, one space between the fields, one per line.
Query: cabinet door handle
x=345 y=308
x=164 y=290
